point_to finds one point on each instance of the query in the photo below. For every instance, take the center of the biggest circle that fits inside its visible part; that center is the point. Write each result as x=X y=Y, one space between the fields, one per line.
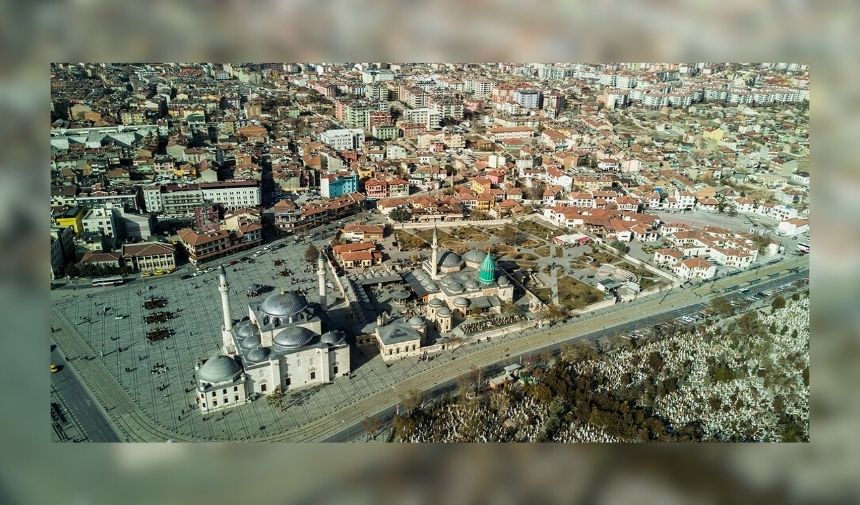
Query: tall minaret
x=434 y=259
x=321 y=276
x=226 y=336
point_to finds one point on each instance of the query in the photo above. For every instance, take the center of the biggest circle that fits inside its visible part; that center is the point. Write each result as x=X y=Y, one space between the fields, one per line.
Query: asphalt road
x=620 y=317
x=345 y=423
x=78 y=402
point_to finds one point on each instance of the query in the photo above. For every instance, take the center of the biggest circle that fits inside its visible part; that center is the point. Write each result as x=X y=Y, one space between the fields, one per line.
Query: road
x=618 y=318
x=77 y=401
x=342 y=424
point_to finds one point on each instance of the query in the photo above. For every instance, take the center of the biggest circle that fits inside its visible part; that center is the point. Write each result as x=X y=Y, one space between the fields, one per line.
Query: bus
x=108 y=281
x=803 y=248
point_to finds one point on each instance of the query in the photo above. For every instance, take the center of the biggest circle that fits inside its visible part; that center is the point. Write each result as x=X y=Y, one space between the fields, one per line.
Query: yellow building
x=70 y=218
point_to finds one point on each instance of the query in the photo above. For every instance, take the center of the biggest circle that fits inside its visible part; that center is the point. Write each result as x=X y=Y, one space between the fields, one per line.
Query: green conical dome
x=487 y=273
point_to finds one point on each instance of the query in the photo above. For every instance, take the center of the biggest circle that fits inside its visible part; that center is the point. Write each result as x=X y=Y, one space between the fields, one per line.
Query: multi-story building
x=528 y=98
x=341 y=183
x=181 y=200
x=346 y=139
x=150 y=256
x=62 y=250
x=105 y=220
x=206 y=246
x=425 y=116
x=70 y=218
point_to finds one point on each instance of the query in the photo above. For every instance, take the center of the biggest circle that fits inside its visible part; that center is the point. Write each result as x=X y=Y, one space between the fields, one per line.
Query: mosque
x=280 y=343
x=452 y=288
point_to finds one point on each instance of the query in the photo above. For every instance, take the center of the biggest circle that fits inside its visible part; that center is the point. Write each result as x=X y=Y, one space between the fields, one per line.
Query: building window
x=237 y=398
x=334 y=370
x=214 y=402
x=213 y=393
x=224 y=392
x=235 y=388
x=313 y=375
x=286 y=381
x=263 y=388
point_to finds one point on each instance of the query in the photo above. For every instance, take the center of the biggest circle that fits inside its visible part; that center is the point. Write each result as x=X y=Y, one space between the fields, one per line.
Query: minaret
x=434 y=255
x=321 y=276
x=226 y=336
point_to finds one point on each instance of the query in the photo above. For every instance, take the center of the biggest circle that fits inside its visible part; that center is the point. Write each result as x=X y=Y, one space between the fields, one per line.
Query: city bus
x=108 y=281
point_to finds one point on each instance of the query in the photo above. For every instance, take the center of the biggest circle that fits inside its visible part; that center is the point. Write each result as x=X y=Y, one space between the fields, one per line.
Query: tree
x=372 y=425
x=721 y=305
x=276 y=398
x=619 y=246
x=778 y=302
x=311 y=253
x=400 y=214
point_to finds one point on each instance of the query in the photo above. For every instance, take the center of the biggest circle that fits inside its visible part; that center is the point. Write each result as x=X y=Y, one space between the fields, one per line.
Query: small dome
x=474 y=257
x=451 y=259
x=444 y=312
x=219 y=368
x=294 y=336
x=246 y=328
x=258 y=354
x=250 y=342
x=420 y=275
x=448 y=280
x=470 y=285
x=436 y=302
x=503 y=281
x=285 y=303
x=461 y=302
x=334 y=337
x=416 y=322
x=431 y=286
x=400 y=294
x=455 y=287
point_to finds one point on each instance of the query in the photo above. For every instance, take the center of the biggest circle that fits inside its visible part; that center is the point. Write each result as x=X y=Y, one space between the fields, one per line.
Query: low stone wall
x=450 y=224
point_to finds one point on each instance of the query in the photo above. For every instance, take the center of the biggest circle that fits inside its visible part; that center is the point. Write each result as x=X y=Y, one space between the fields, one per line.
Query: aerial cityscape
x=429 y=252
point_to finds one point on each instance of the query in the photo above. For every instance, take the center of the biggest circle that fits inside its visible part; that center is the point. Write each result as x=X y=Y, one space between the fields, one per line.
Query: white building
x=279 y=344
x=104 y=220
x=430 y=118
x=346 y=139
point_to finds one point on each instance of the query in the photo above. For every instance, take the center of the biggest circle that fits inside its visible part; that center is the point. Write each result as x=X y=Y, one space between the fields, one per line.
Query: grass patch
x=543 y=294
x=409 y=242
x=574 y=294
x=535 y=229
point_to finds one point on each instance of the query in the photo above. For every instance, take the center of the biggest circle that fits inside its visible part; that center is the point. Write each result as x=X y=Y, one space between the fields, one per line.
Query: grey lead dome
x=294 y=336
x=283 y=304
x=219 y=368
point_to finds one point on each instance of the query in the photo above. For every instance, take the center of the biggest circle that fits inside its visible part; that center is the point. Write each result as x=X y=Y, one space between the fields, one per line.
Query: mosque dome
x=259 y=354
x=250 y=342
x=436 y=302
x=416 y=322
x=246 y=328
x=487 y=273
x=475 y=257
x=461 y=302
x=218 y=368
x=470 y=285
x=334 y=337
x=455 y=287
x=284 y=304
x=451 y=259
x=294 y=336
x=444 y=312
x=503 y=281
x=431 y=286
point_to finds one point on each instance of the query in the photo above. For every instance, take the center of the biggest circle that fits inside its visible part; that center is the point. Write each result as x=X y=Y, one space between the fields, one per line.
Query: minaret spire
x=321 y=276
x=434 y=256
x=227 y=345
